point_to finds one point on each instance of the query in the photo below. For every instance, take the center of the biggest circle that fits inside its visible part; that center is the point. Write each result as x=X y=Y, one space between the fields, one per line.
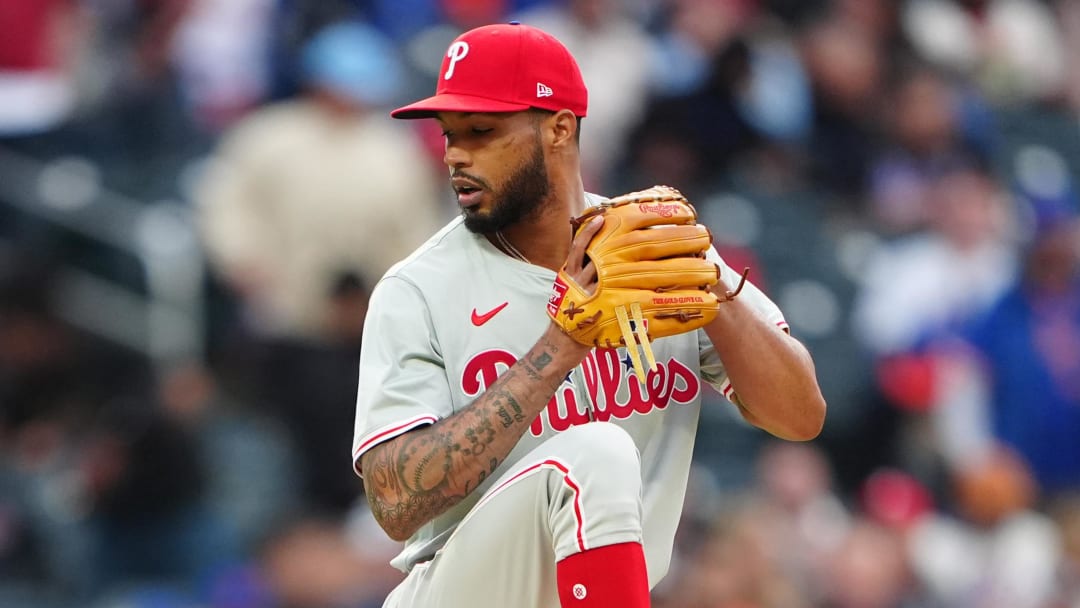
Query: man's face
x=497 y=167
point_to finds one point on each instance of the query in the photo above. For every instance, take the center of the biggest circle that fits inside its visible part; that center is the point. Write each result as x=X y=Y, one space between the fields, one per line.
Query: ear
x=562 y=128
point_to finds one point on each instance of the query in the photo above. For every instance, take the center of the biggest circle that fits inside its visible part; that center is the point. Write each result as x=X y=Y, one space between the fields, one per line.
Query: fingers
x=588 y=275
x=576 y=260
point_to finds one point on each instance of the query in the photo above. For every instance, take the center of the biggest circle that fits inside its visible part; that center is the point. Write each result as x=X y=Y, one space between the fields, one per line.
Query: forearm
x=771 y=372
x=413 y=478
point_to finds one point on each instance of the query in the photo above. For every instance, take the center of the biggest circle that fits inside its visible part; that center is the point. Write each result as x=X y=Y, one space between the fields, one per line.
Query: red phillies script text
x=612 y=387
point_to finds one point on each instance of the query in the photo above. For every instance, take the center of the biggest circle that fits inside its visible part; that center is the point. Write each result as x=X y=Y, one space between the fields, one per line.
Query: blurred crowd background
x=197 y=195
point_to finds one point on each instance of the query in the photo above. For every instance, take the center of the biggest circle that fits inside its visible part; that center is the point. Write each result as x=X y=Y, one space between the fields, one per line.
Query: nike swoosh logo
x=479 y=319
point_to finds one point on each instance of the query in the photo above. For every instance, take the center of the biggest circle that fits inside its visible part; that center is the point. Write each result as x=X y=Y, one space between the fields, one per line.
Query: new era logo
x=542 y=90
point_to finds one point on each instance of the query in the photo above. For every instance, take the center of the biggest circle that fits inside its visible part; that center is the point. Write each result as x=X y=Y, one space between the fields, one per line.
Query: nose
x=455 y=157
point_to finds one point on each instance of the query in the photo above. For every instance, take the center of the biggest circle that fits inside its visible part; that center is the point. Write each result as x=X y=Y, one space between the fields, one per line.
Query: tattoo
x=518 y=415
x=413 y=478
x=479 y=436
x=505 y=419
x=541 y=361
x=416 y=477
x=396 y=503
x=530 y=370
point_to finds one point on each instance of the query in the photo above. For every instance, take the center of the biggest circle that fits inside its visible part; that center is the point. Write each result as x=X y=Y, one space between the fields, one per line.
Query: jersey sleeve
x=712 y=368
x=402 y=381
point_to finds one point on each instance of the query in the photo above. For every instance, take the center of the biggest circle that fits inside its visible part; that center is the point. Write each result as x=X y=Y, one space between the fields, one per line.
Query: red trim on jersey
x=385 y=433
x=567 y=478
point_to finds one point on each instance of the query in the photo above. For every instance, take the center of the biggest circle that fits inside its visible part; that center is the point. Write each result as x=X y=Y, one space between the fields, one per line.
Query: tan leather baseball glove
x=652 y=276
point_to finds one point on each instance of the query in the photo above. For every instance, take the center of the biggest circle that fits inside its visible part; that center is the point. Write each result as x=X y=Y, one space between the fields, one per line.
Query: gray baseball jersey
x=446 y=321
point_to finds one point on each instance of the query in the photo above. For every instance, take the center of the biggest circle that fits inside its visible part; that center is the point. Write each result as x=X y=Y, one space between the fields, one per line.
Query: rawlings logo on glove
x=652 y=276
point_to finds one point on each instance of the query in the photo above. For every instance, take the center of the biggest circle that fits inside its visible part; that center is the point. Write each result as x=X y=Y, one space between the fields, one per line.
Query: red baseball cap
x=504 y=68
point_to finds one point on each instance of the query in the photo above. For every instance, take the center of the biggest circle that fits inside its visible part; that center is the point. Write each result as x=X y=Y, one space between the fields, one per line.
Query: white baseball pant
x=578 y=490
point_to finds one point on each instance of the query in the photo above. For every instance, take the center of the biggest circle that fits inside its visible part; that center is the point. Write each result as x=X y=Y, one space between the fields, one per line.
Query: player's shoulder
x=445 y=252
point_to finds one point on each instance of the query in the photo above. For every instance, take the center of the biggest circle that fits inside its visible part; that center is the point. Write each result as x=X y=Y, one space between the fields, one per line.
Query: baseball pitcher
x=531 y=377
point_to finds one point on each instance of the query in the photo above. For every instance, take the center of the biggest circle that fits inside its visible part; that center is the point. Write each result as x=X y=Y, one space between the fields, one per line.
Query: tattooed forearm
x=392 y=503
x=519 y=416
x=421 y=474
x=541 y=361
x=413 y=478
x=514 y=415
x=530 y=370
x=534 y=365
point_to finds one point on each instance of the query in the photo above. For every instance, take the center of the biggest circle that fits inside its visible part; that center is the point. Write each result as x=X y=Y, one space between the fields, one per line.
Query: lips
x=468 y=192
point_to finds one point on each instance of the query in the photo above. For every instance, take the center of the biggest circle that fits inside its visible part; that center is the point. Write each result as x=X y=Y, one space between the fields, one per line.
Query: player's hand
x=644 y=274
x=583 y=273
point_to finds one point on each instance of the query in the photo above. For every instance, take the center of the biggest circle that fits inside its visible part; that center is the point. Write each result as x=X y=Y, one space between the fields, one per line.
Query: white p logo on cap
x=456 y=53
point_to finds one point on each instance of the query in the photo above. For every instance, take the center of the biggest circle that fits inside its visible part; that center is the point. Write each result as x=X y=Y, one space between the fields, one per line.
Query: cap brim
x=452 y=102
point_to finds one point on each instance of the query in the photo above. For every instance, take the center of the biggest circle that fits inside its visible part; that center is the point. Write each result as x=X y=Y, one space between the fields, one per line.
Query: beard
x=523 y=196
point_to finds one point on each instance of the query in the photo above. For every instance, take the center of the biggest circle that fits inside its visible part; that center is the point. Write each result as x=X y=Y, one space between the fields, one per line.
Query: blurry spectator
x=997 y=552
x=611 y=50
x=38 y=57
x=47 y=389
x=692 y=130
x=467 y=14
x=305 y=193
x=924 y=133
x=880 y=18
x=314 y=563
x=131 y=119
x=1070 y=24
x=765 y=545
x=846 y=65
x=895 y=499
x=307 y=203
x=913 y=292
x=1012 y=48
x=144 y=484
x=775 y=99
x=802 y=519
x=403 y=19
x=250 y=463
x=870 y=570
x=736 y=568
x=693 y=33
x=1017 y=380
x=932 y=281
x=296 y=21
x=222 y=50
x=308 y=387
x=1066 y=514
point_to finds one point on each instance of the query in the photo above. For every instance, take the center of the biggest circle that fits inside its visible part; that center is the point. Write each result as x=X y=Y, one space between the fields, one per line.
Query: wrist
x=566 y=351
x=723 y=292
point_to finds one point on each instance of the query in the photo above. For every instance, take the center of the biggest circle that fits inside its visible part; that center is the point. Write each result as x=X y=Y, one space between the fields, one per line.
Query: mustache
x=472 y=178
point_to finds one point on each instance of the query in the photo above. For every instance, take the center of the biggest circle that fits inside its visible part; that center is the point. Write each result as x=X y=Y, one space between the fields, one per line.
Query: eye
x=447 y=133
x=481 y=131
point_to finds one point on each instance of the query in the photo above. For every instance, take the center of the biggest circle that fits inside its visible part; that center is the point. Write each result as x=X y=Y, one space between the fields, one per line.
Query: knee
x=603 y=446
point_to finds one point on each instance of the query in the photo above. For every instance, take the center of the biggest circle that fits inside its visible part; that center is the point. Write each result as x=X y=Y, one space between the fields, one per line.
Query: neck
x=544 y=240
